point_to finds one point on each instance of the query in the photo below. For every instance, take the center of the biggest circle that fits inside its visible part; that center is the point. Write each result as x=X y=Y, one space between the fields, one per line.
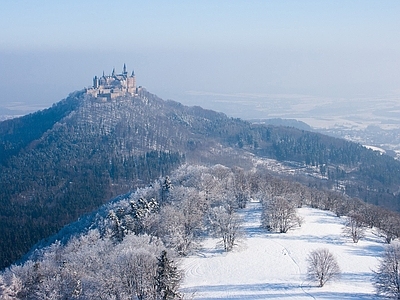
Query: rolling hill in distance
x=65 y=161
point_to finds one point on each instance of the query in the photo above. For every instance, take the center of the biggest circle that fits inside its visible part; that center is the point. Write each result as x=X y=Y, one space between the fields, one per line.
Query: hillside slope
x=267 y=265
x=65 y=161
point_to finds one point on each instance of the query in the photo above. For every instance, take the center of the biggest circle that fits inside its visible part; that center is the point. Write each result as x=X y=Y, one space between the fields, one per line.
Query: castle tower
x=95 y=82
x=113 y=72
x=124 y=70
x=131 y=83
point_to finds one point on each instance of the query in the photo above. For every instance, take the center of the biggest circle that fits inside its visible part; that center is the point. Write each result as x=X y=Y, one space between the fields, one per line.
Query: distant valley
x=373 y=121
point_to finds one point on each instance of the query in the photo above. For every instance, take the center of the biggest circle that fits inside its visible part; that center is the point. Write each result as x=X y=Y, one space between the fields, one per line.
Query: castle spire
x=124 y=70
x=113 y=72
x=133 y=73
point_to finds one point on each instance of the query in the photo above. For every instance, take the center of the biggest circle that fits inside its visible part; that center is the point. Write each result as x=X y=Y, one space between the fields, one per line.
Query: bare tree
x=354 y=227
x=389 y=227
x=317 y=198
x=387 y=277
x=336 y=203
x=279 y=215
x=322 y=266
x=370 y=214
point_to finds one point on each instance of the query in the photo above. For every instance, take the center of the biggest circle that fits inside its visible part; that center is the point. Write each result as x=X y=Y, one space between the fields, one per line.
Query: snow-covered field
x=273 y=266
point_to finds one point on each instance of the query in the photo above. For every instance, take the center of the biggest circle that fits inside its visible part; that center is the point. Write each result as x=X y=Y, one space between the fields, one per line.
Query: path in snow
x=267 y=265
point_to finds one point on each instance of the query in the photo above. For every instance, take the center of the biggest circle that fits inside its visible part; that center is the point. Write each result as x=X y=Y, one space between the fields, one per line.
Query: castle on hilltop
x=108 y=87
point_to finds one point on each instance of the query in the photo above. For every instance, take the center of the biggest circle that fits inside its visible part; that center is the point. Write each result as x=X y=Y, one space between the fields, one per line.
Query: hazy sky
x=192 y=51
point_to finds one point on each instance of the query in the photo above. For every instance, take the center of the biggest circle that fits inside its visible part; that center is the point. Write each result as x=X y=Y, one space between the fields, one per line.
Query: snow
x=273 y=266
x=374 y=148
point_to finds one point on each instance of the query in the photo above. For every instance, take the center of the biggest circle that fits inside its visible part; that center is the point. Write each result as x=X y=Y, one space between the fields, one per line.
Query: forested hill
x=65 y=161
x=18 y=133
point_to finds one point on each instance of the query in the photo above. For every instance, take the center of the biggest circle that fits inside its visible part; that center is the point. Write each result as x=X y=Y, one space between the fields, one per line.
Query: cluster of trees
x=120 y=253
x=32 y=210
x=134 y=245
x=179 y=210
x=367 y=174
x=281 y=198
x=91 y=267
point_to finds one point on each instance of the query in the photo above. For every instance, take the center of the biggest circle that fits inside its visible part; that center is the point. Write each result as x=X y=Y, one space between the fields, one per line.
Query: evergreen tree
x=167 y=279
x=166 y=187
x=118 y=231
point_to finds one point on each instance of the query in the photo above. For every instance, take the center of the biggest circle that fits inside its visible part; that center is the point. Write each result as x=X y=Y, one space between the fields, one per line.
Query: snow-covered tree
x=167 y=279
x=317 y=198
x=141 y=215
x=166 y=187
x=336 y=203
x=118 y=230
x=136 y=271
x=171 y=230
x=133 y=267
x=387 y=277
x=226 y=226
x=181 y=223
x=240 y=187
x=10 y=286
x=322 y=266
x=31 y=274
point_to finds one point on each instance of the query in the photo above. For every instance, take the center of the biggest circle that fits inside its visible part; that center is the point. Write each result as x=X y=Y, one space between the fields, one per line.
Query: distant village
x=109 y=87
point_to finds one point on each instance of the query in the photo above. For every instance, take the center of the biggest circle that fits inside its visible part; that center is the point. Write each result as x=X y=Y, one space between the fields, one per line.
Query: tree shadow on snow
x=356 y=277
x=334 y=239
x=371 y=250
x=255 y=231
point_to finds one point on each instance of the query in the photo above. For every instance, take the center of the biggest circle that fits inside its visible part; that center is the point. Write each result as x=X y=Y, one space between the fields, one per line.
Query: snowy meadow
x=268 y=265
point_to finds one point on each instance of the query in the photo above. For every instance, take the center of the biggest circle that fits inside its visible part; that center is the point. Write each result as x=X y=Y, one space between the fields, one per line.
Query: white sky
x=181 y=48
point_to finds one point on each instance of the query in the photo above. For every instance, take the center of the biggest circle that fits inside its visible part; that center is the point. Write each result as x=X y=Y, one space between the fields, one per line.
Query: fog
x=310 y=60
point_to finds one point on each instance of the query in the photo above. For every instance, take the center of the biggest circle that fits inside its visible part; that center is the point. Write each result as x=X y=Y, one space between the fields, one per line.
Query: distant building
x=108 y=87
